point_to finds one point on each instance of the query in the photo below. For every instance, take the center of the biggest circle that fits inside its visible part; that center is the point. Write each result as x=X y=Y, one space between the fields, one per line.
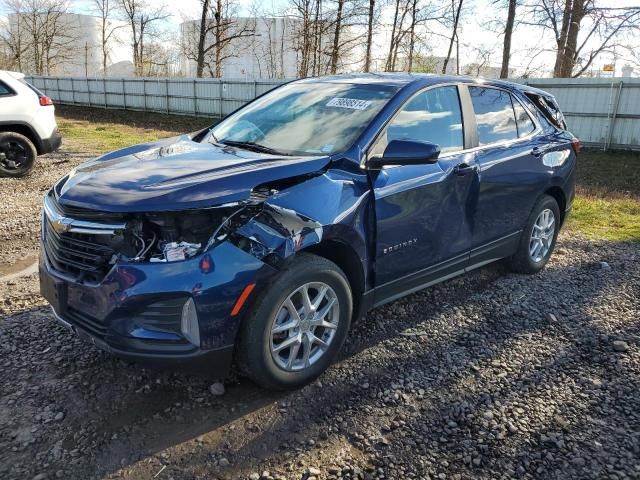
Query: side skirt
x=476 y=258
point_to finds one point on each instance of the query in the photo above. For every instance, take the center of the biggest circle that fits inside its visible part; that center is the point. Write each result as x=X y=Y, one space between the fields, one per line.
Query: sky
x=476 y=33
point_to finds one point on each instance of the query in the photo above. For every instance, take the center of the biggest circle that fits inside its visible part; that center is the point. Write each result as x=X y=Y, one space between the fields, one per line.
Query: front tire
x=297 y=326
x=17 y=155
x=538 y=238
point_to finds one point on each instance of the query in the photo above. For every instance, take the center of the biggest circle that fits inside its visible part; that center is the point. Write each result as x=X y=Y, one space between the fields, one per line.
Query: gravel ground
x=492 y=375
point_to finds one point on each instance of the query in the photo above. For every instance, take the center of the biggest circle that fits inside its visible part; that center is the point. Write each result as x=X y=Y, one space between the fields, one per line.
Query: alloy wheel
x=12 y=155
x=542 y=235
x=304 y=326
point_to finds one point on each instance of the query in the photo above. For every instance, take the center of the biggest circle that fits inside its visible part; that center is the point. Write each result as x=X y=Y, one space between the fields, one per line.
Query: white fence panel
x=599 y=111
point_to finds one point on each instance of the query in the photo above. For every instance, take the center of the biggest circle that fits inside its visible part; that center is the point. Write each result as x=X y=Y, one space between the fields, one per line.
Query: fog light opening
x=190 y=328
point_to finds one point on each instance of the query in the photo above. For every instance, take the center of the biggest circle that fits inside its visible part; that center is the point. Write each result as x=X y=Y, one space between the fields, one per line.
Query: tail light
x=575 y=143
x=45 y=101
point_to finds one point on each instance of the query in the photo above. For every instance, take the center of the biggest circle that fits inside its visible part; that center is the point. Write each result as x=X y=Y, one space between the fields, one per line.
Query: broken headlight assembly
x=177 y=236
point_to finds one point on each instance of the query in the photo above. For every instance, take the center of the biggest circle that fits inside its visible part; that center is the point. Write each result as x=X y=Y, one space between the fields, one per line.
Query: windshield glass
x=305 y=118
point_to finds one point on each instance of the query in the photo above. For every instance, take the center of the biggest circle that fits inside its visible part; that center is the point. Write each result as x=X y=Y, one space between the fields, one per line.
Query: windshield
x=305 y=118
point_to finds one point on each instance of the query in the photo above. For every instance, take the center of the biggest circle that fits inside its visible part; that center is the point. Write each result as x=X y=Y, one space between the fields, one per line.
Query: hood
x=176 y=174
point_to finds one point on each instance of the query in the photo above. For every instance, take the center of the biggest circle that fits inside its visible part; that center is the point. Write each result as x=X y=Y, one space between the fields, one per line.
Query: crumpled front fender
x=320 y=208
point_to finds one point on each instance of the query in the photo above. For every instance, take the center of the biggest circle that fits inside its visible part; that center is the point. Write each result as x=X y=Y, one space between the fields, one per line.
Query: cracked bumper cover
x=135 y=311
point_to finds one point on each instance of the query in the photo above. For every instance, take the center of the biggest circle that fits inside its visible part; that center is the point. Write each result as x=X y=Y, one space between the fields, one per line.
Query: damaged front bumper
x=138 y=310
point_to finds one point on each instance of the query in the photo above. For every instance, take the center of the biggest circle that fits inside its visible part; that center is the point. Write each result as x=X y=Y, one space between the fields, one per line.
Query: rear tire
x=17 y=155
x=261 y=355
x=538 y=238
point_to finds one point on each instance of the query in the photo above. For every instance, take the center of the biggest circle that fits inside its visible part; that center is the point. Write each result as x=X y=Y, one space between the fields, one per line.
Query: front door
x=423 y=231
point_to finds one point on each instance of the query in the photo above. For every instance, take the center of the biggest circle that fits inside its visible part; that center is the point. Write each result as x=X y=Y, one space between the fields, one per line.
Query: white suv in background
x=27 y=125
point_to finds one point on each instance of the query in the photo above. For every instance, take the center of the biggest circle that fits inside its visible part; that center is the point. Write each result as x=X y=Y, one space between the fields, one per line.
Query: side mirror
x=406 y=152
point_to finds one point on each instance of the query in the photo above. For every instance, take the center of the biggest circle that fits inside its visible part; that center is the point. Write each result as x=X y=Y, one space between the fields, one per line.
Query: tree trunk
x=412 y=34
x=561 y=39
x=336 y=38
x=453 y=36
x=393 y=36
x=202 y=39
x=569 y=58
x=508 y=32
x=367 y=58
x=218 y=39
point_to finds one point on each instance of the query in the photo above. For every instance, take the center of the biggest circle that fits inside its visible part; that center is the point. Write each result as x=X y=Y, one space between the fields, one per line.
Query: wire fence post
x=144 y=93
x=73 y=92
x=104 y=91
x=166 y=89
x=195 y=98
x=124 y=94
x=57 y=88
x=220 y=97
x=612 y=120
x=88 y=91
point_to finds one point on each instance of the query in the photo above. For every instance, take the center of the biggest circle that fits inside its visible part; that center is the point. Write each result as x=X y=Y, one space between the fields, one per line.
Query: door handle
x=465 y=169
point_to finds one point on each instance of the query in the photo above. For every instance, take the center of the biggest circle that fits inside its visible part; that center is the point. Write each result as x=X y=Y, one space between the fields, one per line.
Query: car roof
x=401 y=79
x=16 y=75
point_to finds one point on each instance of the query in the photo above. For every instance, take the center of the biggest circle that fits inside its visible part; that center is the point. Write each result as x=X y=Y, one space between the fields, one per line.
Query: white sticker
x=327 y=148
x=352 y=103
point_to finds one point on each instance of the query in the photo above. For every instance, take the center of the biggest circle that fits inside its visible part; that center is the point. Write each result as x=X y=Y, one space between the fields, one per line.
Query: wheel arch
x=23 y=129
x=558 y=194
x=346 y=258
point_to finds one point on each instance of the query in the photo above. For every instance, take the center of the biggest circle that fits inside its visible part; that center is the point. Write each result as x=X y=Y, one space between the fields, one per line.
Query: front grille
x=86 y=322
x=76 y=254
x=79 y=248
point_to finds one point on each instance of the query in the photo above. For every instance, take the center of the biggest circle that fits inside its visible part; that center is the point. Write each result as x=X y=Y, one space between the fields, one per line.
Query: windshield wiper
x=255 y=147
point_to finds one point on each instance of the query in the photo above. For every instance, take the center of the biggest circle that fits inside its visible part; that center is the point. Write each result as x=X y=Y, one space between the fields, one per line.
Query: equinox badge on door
x=399 y=246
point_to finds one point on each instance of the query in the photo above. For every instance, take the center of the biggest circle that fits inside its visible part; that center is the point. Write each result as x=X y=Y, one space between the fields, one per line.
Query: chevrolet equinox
x=261 y=239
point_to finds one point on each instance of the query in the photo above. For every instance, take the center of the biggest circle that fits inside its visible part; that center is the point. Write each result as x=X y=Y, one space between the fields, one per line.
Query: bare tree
x=335 y=49
x=217 y=36
x=578 y=47
x=508 y=33
x=400 y=11
x=105 y=10
x=456 y=9
x=142 y=18
x=479 y=67
x=370 y=22
x=310 y=37
x=39 y=34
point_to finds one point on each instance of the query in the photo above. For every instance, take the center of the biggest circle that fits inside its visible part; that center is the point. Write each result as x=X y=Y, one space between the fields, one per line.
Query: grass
x=607 y=204
x=98 y=131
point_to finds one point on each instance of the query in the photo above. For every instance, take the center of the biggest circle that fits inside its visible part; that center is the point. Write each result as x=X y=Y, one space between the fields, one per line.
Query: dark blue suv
x=262 y=238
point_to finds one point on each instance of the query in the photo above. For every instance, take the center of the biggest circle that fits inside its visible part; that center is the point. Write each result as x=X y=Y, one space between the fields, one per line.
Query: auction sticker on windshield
x=352 y=103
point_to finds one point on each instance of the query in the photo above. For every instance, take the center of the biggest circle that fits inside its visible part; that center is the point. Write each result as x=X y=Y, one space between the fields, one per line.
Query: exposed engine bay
x=267 y=232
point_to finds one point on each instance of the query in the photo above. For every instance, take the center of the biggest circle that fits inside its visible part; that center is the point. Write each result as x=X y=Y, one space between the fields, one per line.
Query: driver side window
x=433 y=115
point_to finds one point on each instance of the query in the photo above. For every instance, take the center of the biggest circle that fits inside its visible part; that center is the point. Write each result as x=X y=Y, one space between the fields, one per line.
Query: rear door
x=511 y=174
x=421 y=210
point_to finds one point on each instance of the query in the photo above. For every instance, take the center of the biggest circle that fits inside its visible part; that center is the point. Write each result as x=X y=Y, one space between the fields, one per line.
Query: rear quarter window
x=5 y=90
x=549 y=108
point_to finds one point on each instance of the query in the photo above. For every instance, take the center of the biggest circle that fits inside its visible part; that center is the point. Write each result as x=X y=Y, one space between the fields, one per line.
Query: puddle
x=22 y=268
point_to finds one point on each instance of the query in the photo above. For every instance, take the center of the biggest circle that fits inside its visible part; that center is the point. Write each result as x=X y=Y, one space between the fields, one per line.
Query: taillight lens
x=575 y=143
x=45 y=101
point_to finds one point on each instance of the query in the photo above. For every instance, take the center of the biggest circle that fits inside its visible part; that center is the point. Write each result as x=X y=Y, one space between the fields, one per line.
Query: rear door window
x=494 y=115
x=523 y=120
